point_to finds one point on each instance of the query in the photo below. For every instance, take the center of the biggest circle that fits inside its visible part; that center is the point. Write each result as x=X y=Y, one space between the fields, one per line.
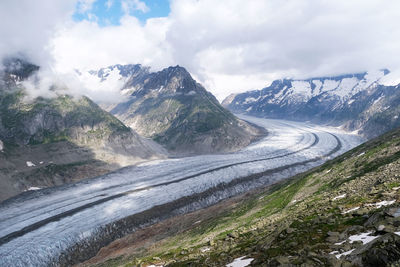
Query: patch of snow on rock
x=338 y=244
x=365 y=238
x=342 y=254
x=329 y=85
x=369 y=79
x=33 y=188
x=302 y=88
x=240 y=262
x=346 y=86
x=350 y=210
x=317 y=89
x=382 y=203
x=339 y=197
x=250 y=100
x=30 y=164
x=1 y=146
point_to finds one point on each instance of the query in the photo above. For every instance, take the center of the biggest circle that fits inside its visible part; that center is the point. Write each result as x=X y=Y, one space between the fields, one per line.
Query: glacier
x=38 y=227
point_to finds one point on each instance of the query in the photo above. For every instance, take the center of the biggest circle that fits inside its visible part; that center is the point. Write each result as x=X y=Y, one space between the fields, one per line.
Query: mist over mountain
x=52 y=141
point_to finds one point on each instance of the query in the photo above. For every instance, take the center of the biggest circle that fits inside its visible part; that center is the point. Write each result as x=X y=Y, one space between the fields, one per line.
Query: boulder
x=382 y=251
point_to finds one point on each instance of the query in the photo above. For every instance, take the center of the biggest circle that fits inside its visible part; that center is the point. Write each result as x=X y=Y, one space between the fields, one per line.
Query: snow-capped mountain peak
x=346 y=99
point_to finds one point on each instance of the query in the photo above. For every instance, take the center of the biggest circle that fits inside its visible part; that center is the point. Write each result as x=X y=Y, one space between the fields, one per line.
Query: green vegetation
x=61 y=118
x=299 y=218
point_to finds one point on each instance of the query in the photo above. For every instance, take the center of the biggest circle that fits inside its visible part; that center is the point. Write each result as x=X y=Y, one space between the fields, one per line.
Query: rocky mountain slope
x=51 y=141
x=356 y=101
x=170 y=107
x=343 y=213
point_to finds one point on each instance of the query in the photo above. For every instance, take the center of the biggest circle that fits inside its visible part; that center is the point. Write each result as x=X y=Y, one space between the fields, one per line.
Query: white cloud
x=228 y=45
x=129 y=6
x=85 y=5
x=28 y=25
x=86 y=45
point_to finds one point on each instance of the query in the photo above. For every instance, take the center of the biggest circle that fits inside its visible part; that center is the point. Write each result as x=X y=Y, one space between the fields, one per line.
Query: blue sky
x=109 y=12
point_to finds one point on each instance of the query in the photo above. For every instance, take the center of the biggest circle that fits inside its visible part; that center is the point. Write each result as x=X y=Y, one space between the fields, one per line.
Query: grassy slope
x=62 y=113
x=292 y=218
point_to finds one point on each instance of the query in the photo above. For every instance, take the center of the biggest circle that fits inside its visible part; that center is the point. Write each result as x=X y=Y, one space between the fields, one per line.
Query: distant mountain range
x=358 y=102
x=170 y=107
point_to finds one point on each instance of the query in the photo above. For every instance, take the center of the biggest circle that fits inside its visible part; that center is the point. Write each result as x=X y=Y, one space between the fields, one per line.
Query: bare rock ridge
x=355 y=101
x=170 y=107
x=52 y=141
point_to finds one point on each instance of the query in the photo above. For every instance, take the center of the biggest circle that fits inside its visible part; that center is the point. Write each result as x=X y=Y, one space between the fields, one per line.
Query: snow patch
x=249 y=109
x=365 y=238
x=240 y=262
x=329 y=85
x=341 y=254
x=382 y=203
x=345 y=87
x=30 y=164
x=350 y=210
x=339 y=244
x=339 y=197
x=250 y=100
x=317 y=89
x=1 y=146
x=33 y=188
x=302 y=88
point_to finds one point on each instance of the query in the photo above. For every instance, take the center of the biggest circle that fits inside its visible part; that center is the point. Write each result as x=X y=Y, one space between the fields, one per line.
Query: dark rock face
x=382 y=251
x=170 y=107
x=356 y=101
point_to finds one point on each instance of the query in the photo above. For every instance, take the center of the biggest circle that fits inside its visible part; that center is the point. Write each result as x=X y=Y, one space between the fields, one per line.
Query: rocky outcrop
x=383 y=251
x=51 y=141
x=170 y=107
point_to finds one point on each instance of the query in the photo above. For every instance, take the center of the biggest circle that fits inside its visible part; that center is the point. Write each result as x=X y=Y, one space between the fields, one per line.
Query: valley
x=199 y=133
x=70 y=223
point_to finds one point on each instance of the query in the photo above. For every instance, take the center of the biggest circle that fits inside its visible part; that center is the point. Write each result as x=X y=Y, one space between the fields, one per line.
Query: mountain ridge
x=170 y=107
x=357 y=102
x=51 y=141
